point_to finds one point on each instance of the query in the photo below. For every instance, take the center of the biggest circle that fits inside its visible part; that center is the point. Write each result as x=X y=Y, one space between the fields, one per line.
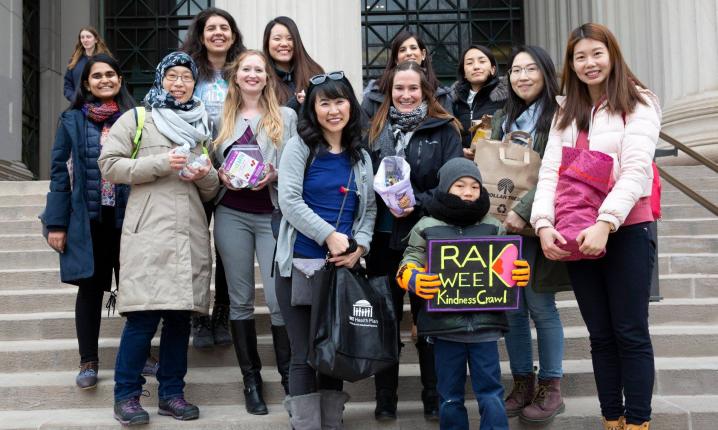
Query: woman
x=608 y=109
x=213 y=41
x=88 y=44
x=319 y=221
x=242 y=225
x=165 y=237
x=530 y=107
x=410 y=123
x=478 y=91
x=80 y=197
x=406 y=46
x=292 y=65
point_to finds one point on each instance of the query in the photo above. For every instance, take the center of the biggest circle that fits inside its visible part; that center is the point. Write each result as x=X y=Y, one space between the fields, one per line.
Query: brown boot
x=547 y=403
x=521 y=395
x=644 y=426
x=618 y=424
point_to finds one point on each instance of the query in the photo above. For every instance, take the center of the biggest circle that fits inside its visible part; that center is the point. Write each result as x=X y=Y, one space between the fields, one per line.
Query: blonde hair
x=271 y=122
x=100 y=47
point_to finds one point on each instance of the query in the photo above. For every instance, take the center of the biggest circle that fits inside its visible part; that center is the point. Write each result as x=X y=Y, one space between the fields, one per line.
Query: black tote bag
x=353 y=328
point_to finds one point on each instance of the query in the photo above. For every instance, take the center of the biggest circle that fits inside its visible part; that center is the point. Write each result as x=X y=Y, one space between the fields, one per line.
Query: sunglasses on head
x=322 y=77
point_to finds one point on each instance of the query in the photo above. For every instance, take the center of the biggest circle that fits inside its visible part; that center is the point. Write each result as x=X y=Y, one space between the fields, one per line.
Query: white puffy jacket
x=631 y=144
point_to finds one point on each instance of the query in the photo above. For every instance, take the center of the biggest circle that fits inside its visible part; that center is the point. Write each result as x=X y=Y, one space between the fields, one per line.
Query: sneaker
x=151 y=367
x=129 y=412
x=220 y=325
x=87 y=378
x=179 y=409
x=202 y=332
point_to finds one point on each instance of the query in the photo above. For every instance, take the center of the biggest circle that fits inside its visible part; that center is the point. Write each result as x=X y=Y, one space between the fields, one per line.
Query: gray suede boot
x=304 y=411
x=333 y=409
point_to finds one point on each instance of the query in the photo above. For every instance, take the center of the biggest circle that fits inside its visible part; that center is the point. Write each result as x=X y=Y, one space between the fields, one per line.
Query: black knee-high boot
x=244 y=335
x=283 y=353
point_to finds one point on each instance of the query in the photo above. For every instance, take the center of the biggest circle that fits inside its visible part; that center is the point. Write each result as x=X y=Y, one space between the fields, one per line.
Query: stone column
x=330 y=29
x=11 y=80
x=670 y=46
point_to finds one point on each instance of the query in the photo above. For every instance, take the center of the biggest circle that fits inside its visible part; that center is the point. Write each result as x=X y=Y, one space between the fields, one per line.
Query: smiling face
x=103 y=82
x=88 y=40
x=406 y=92
x=217 y=36
x=332 y=114
x=477 y=67
x=410 y=51
x=591 y=63
x=527 y=81
x=281 y=46
x=466 y=188
x=178 y=81
x=251 y=75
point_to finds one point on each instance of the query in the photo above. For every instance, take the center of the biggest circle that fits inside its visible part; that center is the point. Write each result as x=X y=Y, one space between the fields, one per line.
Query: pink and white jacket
x=631 y=144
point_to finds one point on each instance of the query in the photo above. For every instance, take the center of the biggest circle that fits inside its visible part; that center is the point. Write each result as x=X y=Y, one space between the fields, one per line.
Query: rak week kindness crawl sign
x=475 y=273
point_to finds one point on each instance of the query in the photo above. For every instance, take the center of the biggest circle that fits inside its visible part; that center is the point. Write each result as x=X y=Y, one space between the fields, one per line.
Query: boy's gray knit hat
x=454 y=169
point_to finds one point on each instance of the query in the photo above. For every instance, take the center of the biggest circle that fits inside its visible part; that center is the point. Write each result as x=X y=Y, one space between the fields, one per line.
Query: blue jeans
x=483 y=359
x=549 y=332
x=139 y=329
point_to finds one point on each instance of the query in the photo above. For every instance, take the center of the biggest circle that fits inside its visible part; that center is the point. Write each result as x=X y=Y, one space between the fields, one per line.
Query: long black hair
x=515 y=105
x=461 y=74
x=195 y=48
x=83 y=95
x=308 y=126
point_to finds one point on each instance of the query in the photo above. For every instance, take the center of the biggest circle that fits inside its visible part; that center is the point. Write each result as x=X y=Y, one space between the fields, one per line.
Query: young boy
x=459 y=208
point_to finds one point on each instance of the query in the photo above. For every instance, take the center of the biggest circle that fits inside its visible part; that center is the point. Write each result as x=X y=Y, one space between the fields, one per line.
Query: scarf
x=183 y=126
x=407 y=121
x=454 y=211
x=526 y=121
x=101 y=112
x=158 y=97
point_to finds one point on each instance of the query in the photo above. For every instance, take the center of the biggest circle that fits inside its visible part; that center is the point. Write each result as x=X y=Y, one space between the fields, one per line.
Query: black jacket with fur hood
x=490 y=97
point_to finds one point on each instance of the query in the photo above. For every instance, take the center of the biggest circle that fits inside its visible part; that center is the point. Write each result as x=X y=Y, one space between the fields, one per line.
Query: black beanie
x=454 y=169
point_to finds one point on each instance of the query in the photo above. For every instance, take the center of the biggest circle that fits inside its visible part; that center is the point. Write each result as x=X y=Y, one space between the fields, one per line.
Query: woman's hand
x=195 y=174
x=514 y=223
x=349 y=260
x=57 y=240
x=225 y=179
x=338 y=243
x=592 y=240
x=469 y=153
x=549 y=236
x=404 y=214
x=177 y=161
x=270 y=177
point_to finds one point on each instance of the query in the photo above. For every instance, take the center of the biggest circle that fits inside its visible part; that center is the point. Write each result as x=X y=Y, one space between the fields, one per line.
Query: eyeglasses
x=531 y=69
x=322 y=77
x=183 y=78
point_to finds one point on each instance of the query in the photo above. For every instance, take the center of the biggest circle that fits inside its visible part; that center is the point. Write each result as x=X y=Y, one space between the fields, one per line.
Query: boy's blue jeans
x=483 y=359
x=139 y=329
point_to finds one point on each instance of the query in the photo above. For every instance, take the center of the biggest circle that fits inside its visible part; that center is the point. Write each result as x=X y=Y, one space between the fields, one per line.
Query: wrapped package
x=393 y=184
x=244 y=166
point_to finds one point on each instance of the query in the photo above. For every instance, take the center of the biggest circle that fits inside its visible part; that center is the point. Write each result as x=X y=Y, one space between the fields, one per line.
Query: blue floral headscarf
x=158 y=97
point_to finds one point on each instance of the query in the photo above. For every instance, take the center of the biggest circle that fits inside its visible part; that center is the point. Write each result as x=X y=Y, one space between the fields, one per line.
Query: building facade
x=670 y=45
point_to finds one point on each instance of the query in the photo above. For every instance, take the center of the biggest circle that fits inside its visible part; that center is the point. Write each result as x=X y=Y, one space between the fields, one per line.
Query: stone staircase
x=38 y=349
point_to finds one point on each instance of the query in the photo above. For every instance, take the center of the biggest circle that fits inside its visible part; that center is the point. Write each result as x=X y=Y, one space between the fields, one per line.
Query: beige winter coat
x=165 y=248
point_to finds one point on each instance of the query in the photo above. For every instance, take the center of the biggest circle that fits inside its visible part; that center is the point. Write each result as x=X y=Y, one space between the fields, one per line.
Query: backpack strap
x=140 y=120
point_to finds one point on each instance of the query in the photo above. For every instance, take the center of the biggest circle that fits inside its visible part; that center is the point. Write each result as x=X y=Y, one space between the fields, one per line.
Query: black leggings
x=88 y=306
x=303 y=379
x=221 y=292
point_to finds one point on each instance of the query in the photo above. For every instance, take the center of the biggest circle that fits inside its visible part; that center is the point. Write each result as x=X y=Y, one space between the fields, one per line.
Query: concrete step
x=21 y=227
x=61 y=354
x=61 y=325
x=669 y=413
x=689 y=286
x=688 y=244
x=685 y=211
x=14 y=242
x=672 y=196
x=28 y=199
x=17 y=213
x=56 y=390
x=685 y=263
x=24 y=188
x=688 y=227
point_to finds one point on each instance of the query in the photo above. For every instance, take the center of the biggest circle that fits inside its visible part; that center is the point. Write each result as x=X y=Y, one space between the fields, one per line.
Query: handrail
x=680 y=185
x=693 y=154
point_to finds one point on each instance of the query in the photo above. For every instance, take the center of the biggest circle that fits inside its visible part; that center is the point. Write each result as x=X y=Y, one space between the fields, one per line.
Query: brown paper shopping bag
x=509 y=170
